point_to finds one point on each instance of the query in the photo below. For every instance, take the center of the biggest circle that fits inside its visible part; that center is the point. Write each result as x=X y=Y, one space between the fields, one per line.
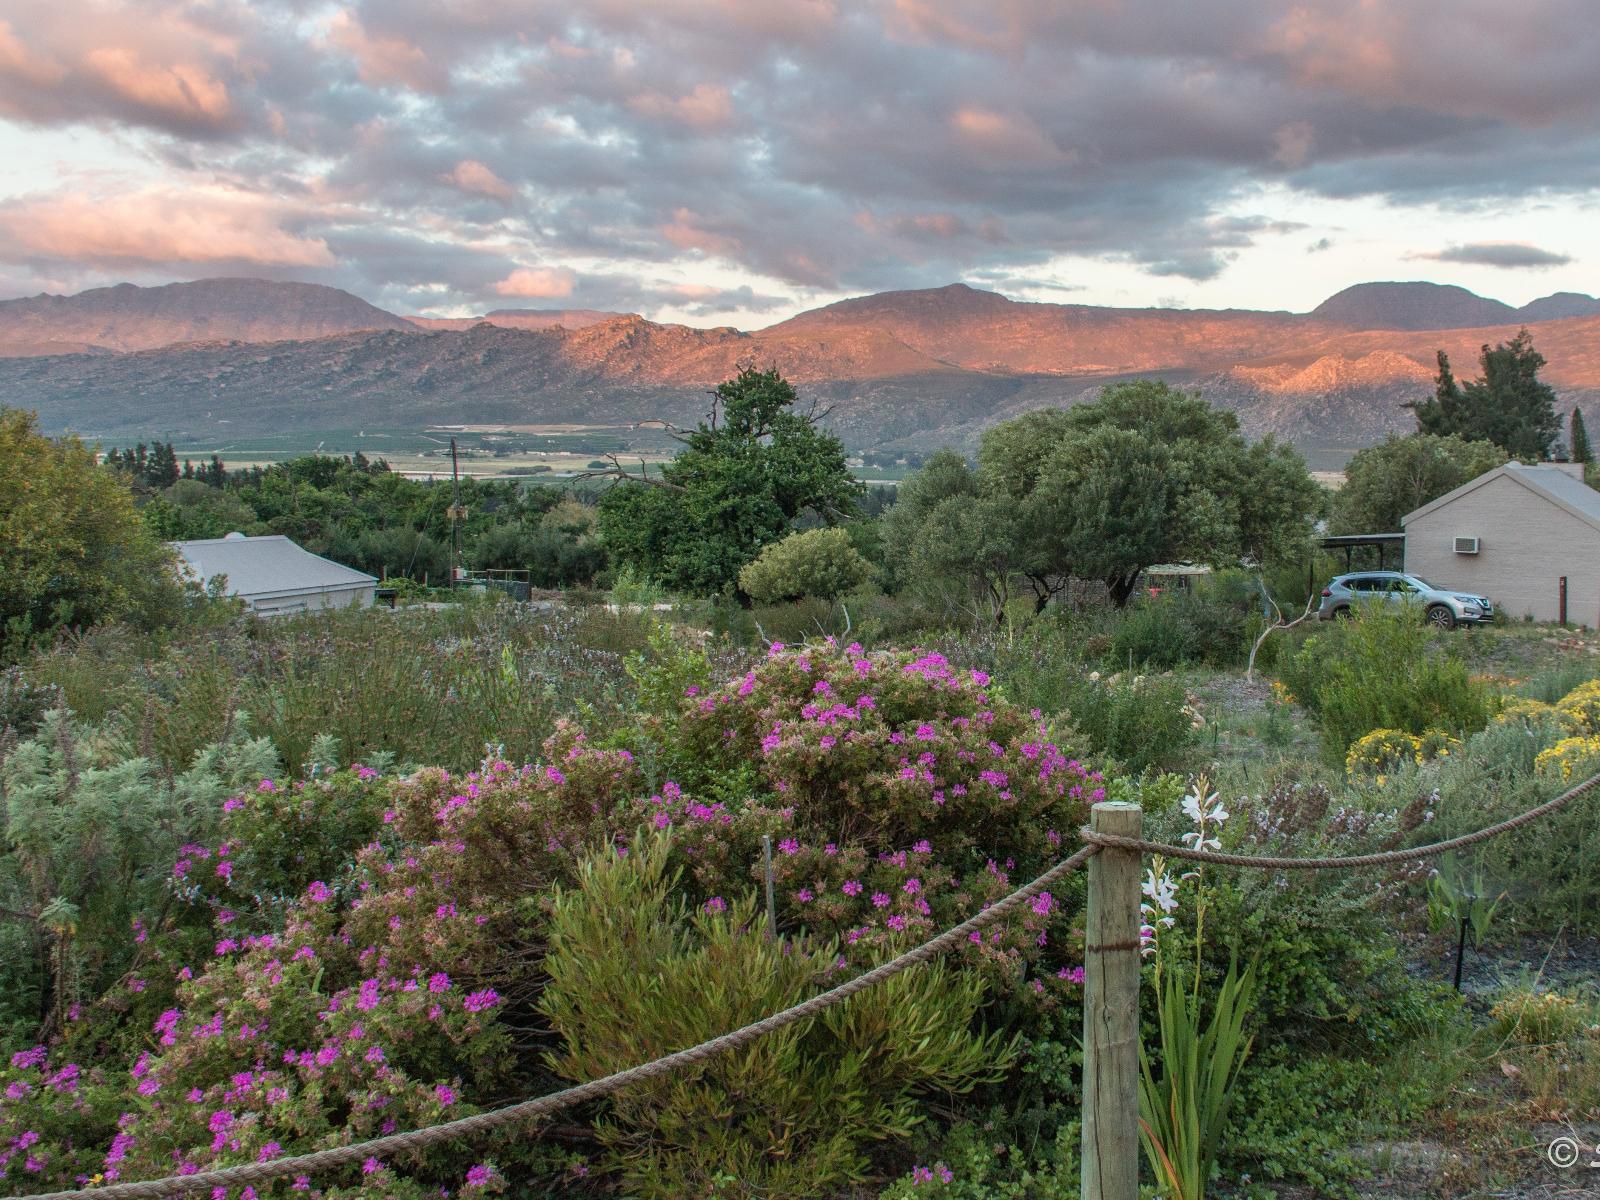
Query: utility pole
x=457 y=511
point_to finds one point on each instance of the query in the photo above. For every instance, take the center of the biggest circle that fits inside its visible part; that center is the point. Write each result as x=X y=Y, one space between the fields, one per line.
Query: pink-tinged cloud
x=181 y=90
x=686 y=232
x=1003 y=138
x=154 y=227
x=541 y=283
x=971 y=24
x=470 y=175
x=708 y=106
x=385 y=59
x=29 y=66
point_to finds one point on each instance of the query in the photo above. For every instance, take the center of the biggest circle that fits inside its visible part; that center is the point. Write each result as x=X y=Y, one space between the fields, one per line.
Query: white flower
x=1162 y=889
x=1203 y=810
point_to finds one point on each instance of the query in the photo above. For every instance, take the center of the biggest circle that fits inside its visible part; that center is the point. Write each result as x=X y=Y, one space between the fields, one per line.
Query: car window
x=1364 y=583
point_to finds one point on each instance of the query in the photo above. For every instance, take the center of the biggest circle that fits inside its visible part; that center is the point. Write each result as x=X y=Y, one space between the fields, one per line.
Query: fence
x=1112 y=848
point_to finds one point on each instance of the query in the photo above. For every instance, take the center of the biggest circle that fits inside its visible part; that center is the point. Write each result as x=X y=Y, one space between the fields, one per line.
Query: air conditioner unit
x=1466 y=545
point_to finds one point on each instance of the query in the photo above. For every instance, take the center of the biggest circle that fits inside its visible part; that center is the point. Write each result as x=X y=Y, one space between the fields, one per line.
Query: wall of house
x=1526 y=544
x=355 y=596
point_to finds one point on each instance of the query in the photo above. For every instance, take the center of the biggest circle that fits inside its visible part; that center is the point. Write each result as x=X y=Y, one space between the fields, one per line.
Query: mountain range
x=909 y=369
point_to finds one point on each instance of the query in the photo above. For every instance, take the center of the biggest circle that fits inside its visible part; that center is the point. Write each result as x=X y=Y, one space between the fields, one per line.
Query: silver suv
x=1444 y=608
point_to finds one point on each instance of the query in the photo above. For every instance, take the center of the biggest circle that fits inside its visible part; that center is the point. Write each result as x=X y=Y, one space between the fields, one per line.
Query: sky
x=732 y=162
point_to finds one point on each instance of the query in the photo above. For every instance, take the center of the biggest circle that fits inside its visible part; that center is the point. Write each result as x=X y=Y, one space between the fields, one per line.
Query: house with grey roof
x=1528 y=537
x=273 y=576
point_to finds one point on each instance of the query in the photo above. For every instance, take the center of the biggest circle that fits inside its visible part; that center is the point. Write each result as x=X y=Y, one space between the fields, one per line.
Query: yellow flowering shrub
x=1566 y=755
x=1381 y=751
x=1581 y=706
x=1520 y=709
x=1436 y=743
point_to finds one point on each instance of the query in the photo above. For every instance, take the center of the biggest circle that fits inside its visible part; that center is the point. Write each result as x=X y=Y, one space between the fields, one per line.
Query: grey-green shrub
x=816 y=562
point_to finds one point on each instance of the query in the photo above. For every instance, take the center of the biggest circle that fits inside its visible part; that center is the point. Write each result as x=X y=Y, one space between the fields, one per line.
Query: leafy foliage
x=72 y=549
x=1400 y=474
x=740 y=482
x=1509 y=406
x=815 y=562
x=1383 y=670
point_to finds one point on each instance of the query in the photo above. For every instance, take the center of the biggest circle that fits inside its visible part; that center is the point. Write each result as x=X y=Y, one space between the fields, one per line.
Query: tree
x=815 y=562
x=1400 y=474
x=73 y=550
x=1578 y=439
x=1509 y=406
x=1146 y=474
x=744 y=476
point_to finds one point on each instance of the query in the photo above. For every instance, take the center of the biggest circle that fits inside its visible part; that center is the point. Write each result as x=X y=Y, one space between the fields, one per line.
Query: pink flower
x=266 y=785
x=879 y=900
x=438 y=982
x=912 y=886
x=371 y=1167
x=804 y=895
x=444 y=1095
x=318 y=892
x=789 y=846
x=480 y=1175
x=851 y=887
x=715 y=905
x=479 y=1001
x=269 y=1152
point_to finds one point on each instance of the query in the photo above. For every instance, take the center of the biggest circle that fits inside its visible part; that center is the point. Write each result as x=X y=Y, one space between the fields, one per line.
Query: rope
x=338 y=1156
x=1117 y=841
x=396 y=1143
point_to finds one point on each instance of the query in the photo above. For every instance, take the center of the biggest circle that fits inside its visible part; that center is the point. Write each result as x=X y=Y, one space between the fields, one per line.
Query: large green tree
x=73 y=550
x=743 y=478
x=1143 y=475
x=1509 y=406
x=1400 y=474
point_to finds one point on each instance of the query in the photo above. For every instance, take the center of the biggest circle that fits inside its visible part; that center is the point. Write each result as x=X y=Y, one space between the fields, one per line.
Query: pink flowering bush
x=901 y=795
x=393 y=994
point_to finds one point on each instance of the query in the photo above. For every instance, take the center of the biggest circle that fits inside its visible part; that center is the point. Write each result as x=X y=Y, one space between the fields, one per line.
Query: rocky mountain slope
x=126 y=317
x=912 y=369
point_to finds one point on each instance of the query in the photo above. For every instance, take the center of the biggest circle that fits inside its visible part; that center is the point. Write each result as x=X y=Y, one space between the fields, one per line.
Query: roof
x=1547 y=482
x=273 y=565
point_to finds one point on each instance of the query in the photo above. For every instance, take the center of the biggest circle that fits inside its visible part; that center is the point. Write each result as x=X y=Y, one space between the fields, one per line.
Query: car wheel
x=1343 y=614
x=1441 y=616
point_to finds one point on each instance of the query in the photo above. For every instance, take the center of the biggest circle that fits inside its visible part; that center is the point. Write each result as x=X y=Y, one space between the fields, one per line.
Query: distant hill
x=1411 y=306
x=126 y=317
x=1441 y=306
x=523 y=318
x=1560 y=305
x=913 y=369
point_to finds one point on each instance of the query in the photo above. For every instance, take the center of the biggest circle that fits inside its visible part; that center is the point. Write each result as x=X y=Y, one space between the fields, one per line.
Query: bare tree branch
x=1280 y=623
x=616 y=471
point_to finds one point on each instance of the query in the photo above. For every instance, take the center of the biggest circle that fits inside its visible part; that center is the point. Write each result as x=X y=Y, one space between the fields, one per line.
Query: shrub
x=901 y=795
x=1383 y=670
x=1384 y=750
x=816 y=562
x=631 y=967
x=88 y=834
x=1539 y=1018
x=1138 y=722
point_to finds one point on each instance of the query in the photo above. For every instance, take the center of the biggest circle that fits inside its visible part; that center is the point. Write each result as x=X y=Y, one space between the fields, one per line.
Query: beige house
x=1514 y=535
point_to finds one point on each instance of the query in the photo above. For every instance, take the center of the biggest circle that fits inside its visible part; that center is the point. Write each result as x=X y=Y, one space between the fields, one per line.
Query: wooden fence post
x=1111 y=1012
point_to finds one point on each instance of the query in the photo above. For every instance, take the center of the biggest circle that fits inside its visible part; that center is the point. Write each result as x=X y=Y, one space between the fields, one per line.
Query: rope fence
x=1095 y=841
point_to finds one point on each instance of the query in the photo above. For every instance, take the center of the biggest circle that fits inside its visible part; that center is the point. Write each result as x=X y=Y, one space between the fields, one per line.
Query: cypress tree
x=1578 y=436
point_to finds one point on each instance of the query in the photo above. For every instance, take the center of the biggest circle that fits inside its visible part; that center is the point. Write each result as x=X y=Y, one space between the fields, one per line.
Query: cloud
x=543 y=283
x=385 y=59
x=807 y=148
x=470 y=175
x=155 y=226
x=707 y=106
x=1511 y=255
